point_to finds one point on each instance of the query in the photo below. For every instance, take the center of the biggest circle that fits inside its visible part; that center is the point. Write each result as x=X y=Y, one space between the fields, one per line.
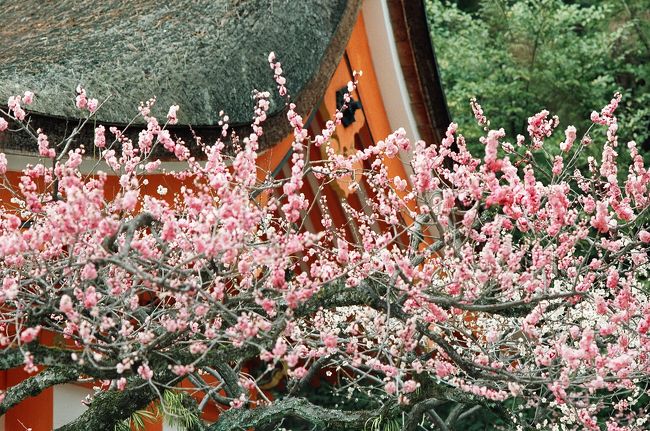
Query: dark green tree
x=519 y=57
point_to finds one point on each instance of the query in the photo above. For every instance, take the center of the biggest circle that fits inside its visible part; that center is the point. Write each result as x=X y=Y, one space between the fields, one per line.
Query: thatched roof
x=204 y=55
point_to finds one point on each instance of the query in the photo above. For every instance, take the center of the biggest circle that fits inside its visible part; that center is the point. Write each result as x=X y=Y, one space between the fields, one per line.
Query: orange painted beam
x=358 y=52
x=269 y=159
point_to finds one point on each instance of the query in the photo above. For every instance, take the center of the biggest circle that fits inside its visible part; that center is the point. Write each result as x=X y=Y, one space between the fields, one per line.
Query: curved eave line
x=420 y=68
x=387 y=62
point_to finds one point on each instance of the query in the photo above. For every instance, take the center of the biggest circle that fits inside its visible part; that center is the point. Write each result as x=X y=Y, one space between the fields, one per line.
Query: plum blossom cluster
x=472 y=280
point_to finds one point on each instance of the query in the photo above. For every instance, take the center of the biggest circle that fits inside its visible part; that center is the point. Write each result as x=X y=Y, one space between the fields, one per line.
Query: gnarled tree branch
x=242 y=419
x=36 y=384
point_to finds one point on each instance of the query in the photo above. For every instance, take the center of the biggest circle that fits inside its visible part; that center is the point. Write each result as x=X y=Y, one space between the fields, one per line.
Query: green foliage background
x=519 y=57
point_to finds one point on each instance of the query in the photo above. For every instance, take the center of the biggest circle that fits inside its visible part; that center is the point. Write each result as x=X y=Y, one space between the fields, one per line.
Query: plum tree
x=520 y=290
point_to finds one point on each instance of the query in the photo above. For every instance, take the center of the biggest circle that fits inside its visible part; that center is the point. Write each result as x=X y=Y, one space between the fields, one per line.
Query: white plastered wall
x=67 y=403
x=17 y=160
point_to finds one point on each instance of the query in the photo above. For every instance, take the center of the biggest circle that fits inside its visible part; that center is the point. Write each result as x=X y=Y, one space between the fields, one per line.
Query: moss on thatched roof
x=204 y=55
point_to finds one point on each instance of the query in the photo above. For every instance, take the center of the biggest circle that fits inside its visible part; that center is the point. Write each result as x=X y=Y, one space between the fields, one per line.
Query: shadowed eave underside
x=204 y=55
